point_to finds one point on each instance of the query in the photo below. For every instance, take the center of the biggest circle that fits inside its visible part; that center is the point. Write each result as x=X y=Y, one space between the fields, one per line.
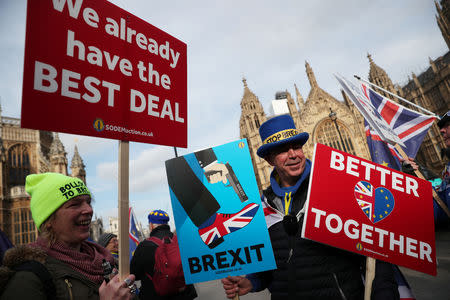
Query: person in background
x=110 y=242
x=61 y=264
x=143 y=261
x=5 y=244
x=443 y=190
x=305 y=269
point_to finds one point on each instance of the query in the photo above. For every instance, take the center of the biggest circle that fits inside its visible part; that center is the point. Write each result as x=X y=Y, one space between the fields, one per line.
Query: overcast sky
x=267 y=42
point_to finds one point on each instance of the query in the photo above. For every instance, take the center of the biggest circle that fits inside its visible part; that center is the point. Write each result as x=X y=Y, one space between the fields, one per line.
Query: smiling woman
x=63 y=262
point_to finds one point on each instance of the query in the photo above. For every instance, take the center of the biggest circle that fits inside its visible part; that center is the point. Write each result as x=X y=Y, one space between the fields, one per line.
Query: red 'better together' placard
x=367 y=208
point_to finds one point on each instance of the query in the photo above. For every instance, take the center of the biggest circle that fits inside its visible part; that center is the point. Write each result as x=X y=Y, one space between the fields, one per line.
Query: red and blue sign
x=218 y=214
x=370 y=209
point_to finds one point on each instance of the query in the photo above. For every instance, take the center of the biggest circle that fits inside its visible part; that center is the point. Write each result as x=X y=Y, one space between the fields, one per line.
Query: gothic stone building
x=346 y=132
x=339 y=124
x=23 y=152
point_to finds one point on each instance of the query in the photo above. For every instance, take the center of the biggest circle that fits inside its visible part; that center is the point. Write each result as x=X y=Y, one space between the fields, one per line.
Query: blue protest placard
x=218 y=213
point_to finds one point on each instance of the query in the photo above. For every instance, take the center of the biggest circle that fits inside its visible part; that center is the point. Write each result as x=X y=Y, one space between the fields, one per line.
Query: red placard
x=367 y=208
x=92 y=68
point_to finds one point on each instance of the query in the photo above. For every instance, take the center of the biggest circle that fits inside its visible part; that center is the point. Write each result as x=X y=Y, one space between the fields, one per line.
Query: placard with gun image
x=231 y=177
x=221 y=231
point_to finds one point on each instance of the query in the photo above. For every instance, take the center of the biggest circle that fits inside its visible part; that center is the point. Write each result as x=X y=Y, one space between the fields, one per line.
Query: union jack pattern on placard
x=377 y=203
x=364 y=195
x=226 y=223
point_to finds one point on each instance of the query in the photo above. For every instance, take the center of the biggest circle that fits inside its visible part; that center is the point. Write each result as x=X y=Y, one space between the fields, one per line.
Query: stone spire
x=311 y=77
x=252 y=112
x=252 y=116
x=300 y=101
x=379 y=77
x=248 y=96
x=58 y=156
x=433 y=65
x=77 y=166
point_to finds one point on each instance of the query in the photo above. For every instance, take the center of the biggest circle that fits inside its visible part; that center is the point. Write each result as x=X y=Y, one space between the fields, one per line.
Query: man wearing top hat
x=305 y=269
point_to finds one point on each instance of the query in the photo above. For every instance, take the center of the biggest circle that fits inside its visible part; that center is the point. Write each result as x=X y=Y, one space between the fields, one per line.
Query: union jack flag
x=409 y=125
x=271 y=215
x=224 y=224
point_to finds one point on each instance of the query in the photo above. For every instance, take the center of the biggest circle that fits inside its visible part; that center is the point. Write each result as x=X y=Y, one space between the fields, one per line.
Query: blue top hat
x=278 y=131
x=444 y=119
x=158 y=217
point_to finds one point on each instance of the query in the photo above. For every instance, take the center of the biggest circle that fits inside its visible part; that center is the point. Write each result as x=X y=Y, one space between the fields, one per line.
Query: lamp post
x=332 y=115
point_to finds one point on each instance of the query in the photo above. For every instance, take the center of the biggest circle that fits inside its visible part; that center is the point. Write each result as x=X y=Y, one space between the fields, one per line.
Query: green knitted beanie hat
x=49 y=191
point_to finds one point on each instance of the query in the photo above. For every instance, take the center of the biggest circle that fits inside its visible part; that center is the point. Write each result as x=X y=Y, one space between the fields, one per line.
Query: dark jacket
x=440 y=217
x=68 y=283
x=310 y=270
x=143 y=263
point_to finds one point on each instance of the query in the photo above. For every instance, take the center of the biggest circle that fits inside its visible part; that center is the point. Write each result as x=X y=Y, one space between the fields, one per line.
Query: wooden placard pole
x=124 y=248
x=370 y=275
x=418 y=174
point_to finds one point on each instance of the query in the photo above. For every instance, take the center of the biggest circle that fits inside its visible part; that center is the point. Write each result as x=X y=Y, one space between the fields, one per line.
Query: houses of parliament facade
x=26 y=151
x=340 y=125
x=23 y=152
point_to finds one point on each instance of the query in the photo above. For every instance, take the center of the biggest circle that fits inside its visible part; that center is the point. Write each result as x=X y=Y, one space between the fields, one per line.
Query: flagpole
x=392 y=94
x=370 y=275
x=124 y=171
x=419 y=174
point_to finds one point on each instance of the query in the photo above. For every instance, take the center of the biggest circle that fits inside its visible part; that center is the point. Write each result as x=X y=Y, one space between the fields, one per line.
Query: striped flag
x=409 y=125
x=381 y=152
x=133 y=232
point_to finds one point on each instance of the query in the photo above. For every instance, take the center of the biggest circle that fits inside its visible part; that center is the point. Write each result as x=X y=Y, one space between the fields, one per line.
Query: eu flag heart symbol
x=377 y=203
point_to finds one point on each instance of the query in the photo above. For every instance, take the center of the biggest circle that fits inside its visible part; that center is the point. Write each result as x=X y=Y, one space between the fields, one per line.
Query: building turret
x=252 y=116
x=379 y=77
x=442 y=19
x=311 y=76
x=77 y=167
x=58 y=156
x=300 y=101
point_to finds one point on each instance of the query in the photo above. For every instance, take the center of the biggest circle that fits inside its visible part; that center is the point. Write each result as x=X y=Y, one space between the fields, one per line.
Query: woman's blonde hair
x=46 y=231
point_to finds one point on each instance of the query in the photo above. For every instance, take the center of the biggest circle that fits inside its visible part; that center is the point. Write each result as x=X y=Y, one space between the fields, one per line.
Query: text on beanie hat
x=49 y=191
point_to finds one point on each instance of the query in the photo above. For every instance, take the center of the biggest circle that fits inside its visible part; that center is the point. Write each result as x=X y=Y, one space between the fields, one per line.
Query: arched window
x=257 y=123
x=336 y=135
x=18 y=165
x=24 y=227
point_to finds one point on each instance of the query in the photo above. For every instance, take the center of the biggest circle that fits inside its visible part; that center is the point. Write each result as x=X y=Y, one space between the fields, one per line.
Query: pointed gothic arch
x=327 y=133
x=18 y=164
